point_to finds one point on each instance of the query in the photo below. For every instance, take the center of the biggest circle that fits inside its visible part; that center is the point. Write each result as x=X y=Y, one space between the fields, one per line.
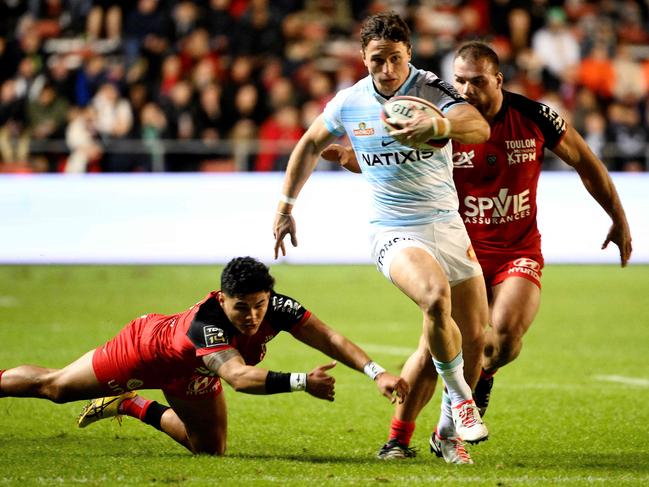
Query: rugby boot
x=467 y=421
x=450 y=449
x=482 y=394
x=103 y=407
x=395 y=450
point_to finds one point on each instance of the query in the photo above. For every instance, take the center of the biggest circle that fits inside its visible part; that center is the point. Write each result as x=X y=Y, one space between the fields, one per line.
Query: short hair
x=476 y=51
x=245 y=275
x=385 y=25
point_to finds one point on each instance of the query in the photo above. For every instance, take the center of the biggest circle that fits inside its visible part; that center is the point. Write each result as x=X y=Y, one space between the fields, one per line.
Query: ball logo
x=528 y=263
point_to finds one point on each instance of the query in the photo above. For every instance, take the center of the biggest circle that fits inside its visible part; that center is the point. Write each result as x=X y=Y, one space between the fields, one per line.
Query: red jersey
x=165 y=351
x=497 y=181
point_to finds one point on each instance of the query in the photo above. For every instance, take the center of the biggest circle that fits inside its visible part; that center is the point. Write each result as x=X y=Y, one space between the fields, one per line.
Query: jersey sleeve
x=439 y=92
x=549 y=122
x=206 y=332
x=285 y=313
x=331 y=114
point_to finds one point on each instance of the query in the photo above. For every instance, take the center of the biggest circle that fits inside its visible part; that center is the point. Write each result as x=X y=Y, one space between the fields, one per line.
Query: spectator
x=277 y=137
x=46 y=119
x=556 y=47
x=14 y=140
x=114 y=124
x=82 y=141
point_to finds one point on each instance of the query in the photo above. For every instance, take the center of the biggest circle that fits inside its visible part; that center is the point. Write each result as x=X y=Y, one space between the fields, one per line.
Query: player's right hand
x=393 y=387
x=284 y=224
x=320 y=384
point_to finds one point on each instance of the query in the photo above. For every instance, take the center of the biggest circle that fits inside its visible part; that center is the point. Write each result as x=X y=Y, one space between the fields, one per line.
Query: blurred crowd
x=160 y=85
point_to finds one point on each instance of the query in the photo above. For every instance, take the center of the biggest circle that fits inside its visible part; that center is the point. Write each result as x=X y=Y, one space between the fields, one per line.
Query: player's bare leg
x=71 y=383
x=514 y=305
x=200 y=426
x=471 y=313
x=422 y=279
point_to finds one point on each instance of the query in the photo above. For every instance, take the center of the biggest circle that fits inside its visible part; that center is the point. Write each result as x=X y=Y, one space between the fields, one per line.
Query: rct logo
x=463 y=159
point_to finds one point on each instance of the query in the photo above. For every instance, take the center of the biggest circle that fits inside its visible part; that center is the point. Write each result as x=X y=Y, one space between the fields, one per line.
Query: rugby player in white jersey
x=418 y=239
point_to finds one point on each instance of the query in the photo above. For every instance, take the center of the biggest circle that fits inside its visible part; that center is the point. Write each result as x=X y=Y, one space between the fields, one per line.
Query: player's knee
x=214 y=448
x=56 y=392
x=437 y=302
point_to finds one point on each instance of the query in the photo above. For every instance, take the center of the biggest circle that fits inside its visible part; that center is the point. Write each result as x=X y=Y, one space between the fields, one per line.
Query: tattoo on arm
x=216 y=359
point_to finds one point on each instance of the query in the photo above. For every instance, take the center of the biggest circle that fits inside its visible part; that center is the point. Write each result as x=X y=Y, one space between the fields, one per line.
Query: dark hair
x=385 y=25
x=245 y=275
x=475 y=51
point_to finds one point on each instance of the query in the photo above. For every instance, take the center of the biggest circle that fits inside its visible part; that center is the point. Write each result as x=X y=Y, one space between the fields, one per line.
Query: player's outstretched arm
x=318 y=335
x=574 y=150
x=301 y=164
x=230 y=366
x=468 y=126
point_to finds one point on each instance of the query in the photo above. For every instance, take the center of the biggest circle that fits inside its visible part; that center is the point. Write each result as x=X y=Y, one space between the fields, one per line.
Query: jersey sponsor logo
x=525 y=265
x=387 y=246
x=134 y=384
x=527 y=262
x=386 y=141
x=363 y=131
x=213 y=336
x=556 y=119
x=463 y=159
x=520 y=150
x=201 y=385
x=494 y=210
x=396 y=158
x=287 y=304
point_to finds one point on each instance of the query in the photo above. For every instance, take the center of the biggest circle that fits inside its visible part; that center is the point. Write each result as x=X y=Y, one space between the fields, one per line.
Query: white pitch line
x=388 y=350
x=620 y=379
x=8 y=302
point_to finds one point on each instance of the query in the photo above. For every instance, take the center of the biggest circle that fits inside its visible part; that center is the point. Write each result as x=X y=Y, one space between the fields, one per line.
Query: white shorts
x=447 y=242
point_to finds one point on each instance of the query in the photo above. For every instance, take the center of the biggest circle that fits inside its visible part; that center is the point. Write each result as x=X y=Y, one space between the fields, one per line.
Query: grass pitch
x=572 y=410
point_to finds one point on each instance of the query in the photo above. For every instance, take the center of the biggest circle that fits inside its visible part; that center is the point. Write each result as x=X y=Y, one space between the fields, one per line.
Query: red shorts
x=498 y=267
x=120 y=366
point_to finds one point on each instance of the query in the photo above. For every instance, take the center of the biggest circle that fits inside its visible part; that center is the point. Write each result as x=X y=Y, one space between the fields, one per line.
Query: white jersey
x=409 y=186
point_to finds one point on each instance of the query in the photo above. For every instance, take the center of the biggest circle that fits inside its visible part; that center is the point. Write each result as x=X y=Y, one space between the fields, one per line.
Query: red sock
x=401 y=431
x=135 y=407
x=1 y=372
x=487 y=375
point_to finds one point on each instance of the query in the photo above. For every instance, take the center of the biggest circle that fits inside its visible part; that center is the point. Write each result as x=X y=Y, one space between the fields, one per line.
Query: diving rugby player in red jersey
x=496 y=182
x=186 y=355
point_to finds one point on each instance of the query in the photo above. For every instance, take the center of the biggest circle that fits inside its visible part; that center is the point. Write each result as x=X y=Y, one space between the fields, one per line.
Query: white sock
x=446 y=427
x=452 y=373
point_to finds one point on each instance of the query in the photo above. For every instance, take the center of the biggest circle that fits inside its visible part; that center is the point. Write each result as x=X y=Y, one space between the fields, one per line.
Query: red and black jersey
x=176 y=343
x=497 y=181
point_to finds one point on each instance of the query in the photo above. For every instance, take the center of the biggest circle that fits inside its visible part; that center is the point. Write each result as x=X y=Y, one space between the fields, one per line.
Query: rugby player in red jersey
x=186 y=355
x=496 y=182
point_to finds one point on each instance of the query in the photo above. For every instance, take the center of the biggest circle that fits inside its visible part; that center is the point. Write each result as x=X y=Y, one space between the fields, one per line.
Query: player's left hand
x=392 y=387
x=620 y=235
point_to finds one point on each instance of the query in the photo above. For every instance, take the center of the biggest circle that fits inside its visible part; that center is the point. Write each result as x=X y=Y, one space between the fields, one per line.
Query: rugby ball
x=404 y=108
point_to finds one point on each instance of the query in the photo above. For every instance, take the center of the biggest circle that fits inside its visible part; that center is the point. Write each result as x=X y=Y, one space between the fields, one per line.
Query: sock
x=401 y=431
x=452 y=373
x=154 y=413
x=446 y=427
x=1 y=372
x=487 y=375
x=135 y=407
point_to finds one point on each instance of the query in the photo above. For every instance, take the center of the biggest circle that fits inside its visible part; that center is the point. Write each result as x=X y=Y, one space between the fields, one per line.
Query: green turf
x=557 y=416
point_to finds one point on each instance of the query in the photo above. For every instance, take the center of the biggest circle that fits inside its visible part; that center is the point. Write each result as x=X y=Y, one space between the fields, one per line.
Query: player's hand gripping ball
x=401 y=108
